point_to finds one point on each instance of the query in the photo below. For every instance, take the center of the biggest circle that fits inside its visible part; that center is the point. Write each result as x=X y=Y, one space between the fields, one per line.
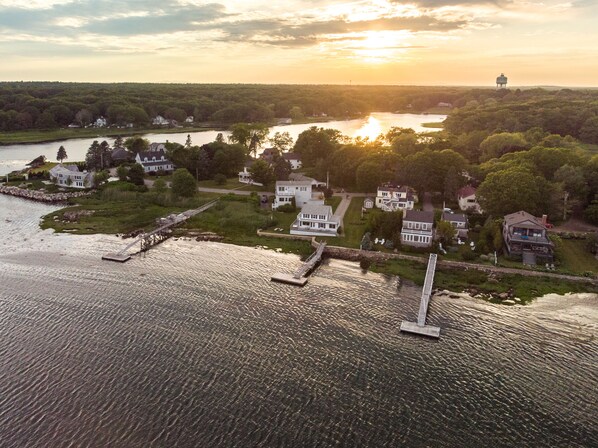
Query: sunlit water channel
x=14 y=157
x=191 y=345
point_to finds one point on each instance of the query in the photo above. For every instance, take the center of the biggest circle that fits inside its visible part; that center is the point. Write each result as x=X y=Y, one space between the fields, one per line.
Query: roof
x=521 y=217
x=368 y=198
x=400 y=189
x=293 y=183
x=156 y=147
x=121 y=153
x=315 y=209
x=291 y=156
x=64 y=169
x=454 y=217
x=466 y=191
x=158 y=154
x=419 y=216
x=156 y=163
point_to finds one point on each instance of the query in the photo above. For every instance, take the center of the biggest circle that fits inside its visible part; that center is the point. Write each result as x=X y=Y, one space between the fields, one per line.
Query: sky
x=419 y=42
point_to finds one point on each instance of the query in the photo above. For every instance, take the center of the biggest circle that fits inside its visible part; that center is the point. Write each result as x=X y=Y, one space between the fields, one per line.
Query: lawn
x=333 y=201
x=120 y=212
x=573 y=257
x=353 y=226
x=231 y=184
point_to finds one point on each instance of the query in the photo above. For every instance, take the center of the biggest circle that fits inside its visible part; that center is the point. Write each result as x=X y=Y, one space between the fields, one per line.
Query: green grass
x=120 y=212
x=353 y=226
x=39 y=136
x=523 y=287
x=333 y=201
x=231 y=184
x=433 y=125
x=573 y=257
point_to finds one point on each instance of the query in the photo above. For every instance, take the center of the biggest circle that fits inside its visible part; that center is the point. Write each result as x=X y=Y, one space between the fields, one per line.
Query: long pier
x=420 y=326
x=156 y=236
x=299 y=277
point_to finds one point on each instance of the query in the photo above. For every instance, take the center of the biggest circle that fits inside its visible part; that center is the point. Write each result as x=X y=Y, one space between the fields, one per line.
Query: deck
x=299 y=277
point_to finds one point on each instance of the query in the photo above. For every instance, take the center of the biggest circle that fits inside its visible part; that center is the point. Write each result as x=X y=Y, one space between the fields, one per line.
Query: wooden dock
x=299 y=277
x=420 y=326
x=156 y=236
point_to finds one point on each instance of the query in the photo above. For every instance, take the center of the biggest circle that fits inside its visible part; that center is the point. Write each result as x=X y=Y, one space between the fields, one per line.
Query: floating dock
x=120 y=257
x=420 y=326
x=299 y=277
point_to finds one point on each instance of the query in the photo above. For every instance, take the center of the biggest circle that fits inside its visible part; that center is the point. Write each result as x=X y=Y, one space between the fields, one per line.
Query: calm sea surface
x=14 y=157
x=191 y=345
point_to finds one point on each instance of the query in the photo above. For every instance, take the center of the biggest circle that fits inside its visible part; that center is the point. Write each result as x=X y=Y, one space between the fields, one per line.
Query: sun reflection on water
x=371 y=129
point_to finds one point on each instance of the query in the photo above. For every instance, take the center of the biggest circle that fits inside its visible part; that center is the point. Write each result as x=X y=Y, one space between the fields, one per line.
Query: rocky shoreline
x=41 y=196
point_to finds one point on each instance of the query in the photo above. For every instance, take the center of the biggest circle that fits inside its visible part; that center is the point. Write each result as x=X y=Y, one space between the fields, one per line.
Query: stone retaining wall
x=41 y=196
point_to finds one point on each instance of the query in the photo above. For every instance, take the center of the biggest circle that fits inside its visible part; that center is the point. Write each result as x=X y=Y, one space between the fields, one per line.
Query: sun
x=377 y=47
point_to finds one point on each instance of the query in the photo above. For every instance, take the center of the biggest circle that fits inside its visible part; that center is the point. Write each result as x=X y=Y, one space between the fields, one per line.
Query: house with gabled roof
x=458 y=221
x=316 y=220
x=466 y=197
x=418 y=228
x=392 y=198
x=300 y=192
x=294 y=159
x=526 y=236
x=154 y=159
x=70 y=176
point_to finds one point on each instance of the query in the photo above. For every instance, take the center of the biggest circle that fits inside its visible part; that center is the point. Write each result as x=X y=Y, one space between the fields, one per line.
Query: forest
x=51 y=105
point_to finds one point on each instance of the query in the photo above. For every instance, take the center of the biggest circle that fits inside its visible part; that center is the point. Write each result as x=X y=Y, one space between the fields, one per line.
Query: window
x=332 y=226
x=416 y=238
x=410 y=225
x=424 y=226
x=322 y=216
x=321 y=225
x=417 y=225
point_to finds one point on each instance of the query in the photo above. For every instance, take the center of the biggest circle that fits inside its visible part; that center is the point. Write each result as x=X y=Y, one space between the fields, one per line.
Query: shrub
x=220 y=179
x=467 y=254
x=287 y=208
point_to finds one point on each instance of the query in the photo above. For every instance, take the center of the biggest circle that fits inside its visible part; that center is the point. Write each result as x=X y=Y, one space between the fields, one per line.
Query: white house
x=300 y=191
x=159 y=120
x=245 y=175
x=154 y=159
x=418 y=228
x=391 y=199
x=316 y=220
x=458 y=221
x=293 y=159
x=70 y=176
x=101 y=122
x=467 y=199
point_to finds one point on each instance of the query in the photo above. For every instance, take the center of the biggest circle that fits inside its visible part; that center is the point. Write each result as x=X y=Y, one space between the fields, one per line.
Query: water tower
x=501 y=81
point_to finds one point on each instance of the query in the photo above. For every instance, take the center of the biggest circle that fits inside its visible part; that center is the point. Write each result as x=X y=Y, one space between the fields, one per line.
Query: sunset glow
x=457 y=42
x=371 y=129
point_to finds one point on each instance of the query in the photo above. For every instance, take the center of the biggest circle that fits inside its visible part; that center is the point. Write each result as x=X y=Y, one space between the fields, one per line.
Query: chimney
x=544 y=220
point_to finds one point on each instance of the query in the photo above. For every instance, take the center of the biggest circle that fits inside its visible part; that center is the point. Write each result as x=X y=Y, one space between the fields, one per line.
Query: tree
x=219 y=138
x=368 y=176
x=188 y=141
x=183 y=183
x=136 y=174
x=101 y=177
x=61 y=154
x=296 y=113
x=281 y=141
x=511 y=190
x=589 y=131
x=98 y=155
x=46 y=121
x=160 y=186
x=136 y=144
x=282 y=168
x=83 y=117
x=496 y=145
x=405 y=144
x=262 y=172
x=445 y=232
x=316 y=143
x=122 y=172
x=118 y=142
x=252 y=136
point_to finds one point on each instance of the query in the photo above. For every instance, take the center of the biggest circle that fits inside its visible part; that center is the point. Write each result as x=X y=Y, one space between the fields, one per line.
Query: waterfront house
x=70 y=176
x=467 y=199
x=459 y=222
x=418 y=228
x=159 y=120
x=37 y=162
x=101 y=122
x=316 y=220
x=293 y=159
x=154 y=159
x=300 y=192
x=526 y=236
x=392 y=198
x=245 y=175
